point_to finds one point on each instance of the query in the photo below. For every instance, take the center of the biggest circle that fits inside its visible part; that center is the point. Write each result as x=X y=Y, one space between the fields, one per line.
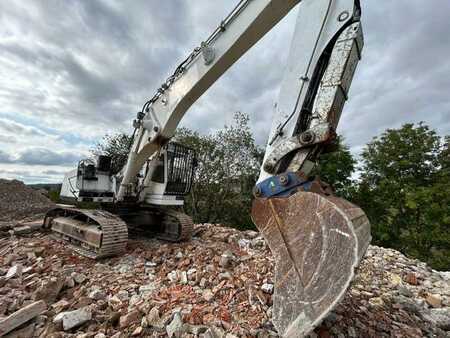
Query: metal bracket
x=318 y=134
x=281 y=185
x=208 y=53
x=152 y=124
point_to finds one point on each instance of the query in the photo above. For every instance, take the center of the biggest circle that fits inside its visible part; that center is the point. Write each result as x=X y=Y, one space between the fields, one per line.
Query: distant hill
x=47 y=186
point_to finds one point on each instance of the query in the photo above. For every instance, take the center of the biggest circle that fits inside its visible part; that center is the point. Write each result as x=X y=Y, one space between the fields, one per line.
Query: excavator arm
x=317 y=239
x=319 y=24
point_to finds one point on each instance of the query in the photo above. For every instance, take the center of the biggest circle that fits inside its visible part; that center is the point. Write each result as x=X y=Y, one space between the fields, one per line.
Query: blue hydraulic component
x=281 y=185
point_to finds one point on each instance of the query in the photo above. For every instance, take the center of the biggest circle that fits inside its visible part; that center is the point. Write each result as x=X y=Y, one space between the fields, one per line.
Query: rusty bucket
x=317 y=242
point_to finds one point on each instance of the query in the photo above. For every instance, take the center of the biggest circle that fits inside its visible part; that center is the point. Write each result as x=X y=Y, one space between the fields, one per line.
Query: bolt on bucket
x=317 y=242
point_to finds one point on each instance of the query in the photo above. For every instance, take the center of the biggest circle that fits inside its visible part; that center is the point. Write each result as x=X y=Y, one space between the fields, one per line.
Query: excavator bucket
x=317 y=242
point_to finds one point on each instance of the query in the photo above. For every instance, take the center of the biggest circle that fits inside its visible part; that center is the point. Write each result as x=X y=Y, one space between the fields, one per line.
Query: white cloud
x=69 y=78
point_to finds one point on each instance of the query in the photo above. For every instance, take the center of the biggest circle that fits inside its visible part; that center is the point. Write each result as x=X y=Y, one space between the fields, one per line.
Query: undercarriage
x=99 y=233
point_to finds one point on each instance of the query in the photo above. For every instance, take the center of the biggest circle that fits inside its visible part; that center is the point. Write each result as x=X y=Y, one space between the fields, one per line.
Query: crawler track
x=180 y=224
x=97 y=233
x=91 y=233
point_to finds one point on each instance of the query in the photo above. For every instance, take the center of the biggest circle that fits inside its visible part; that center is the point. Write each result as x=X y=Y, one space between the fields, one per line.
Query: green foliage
x=117 y=147
x=405 y=191
x=444 y=157
x=228 y=166
x=54 y=196
x=336 y=168
x=408 y=156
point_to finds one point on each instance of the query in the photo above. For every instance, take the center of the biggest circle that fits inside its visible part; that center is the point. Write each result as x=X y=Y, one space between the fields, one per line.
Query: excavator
x=317 y=239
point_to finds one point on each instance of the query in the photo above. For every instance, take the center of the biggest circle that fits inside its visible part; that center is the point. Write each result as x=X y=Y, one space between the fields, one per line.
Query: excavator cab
x=171 y=175
x=166 y=179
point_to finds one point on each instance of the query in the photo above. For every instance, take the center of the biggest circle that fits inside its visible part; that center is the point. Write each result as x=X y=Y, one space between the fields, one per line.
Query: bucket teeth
x=317 y=242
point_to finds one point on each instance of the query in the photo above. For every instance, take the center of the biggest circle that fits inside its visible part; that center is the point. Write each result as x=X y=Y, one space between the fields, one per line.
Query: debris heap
x=18 y=201
x=220 y=284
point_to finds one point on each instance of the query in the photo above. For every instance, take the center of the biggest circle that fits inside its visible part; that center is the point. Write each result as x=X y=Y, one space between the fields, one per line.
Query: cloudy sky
x=72 y=71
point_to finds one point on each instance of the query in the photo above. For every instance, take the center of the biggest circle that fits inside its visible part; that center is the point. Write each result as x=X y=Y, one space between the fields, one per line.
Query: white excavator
x=317 y=239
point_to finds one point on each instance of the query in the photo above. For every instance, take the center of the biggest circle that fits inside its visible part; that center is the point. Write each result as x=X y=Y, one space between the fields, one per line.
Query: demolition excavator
x=317 y=239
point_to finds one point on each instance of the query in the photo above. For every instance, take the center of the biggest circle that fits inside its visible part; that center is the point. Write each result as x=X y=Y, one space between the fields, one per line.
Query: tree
x=117 y=147
x=444 y=157
x=408 y=155
x=336 y=168
x=228 y=166
x=405 y=193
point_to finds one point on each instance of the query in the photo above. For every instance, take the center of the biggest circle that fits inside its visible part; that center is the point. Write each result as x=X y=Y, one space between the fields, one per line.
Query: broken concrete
x=72 y=319
x=49 y=290
x=130 y=318
x=21 y=316
x=14 y=272
x=175 y=328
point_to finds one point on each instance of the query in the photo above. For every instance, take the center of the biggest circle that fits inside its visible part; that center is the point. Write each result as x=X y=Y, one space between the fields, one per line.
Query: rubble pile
x=220 y=284
x=18 y=201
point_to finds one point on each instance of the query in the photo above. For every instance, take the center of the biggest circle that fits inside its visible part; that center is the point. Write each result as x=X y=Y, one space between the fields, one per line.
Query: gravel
x=17 y=201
